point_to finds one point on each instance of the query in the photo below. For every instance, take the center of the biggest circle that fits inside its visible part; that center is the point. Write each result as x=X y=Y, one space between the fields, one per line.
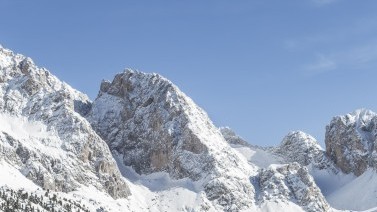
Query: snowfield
x=358 y=194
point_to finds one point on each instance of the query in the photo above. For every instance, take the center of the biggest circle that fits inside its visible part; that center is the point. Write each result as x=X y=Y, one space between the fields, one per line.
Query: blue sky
x=263 y=68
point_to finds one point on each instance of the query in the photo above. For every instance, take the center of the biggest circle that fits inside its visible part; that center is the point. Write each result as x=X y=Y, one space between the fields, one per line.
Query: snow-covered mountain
x=43 y=134
x=152 y=126
x=143 y=145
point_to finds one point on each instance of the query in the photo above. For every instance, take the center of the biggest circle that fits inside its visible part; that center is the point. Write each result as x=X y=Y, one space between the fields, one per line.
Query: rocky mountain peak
x=350 y=141
x=17 y=64
x=154 y=127
x=148 y=105
x=28 y=79
x=299 y=147
x=132 y=82
x=300 y=139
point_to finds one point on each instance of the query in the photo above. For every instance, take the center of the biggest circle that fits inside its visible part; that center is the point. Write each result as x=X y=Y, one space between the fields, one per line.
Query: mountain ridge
x=143 y=143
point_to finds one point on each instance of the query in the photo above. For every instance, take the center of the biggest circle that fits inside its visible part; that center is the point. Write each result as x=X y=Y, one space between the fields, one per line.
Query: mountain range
x=143 y=145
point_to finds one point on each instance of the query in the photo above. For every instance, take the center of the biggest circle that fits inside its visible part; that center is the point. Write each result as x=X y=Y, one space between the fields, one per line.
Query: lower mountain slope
x=345 y=172
x=283 y=175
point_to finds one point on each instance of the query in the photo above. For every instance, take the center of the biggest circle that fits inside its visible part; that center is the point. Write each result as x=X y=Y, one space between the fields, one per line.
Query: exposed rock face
x=155 y=127
x=64 y=152
x=351 y=141
x=304 y=149
x=231 y=137
x=291 y=182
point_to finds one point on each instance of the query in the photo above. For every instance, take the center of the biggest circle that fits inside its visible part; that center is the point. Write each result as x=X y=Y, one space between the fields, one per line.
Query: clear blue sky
x=261 y=67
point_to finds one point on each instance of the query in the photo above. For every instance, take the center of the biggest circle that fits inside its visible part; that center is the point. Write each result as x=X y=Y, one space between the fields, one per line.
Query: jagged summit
x=300 y=139
x=139 y=89
x=21 y=73
x=122 y=81
x=359 y=116
x=362 y=113
x=299 y=147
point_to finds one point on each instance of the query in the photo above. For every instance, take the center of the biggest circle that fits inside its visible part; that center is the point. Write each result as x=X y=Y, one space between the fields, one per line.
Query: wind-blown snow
x=22 y=128
x=328 y=181
x=257 y=156
x=358 y=194
x=10 y=176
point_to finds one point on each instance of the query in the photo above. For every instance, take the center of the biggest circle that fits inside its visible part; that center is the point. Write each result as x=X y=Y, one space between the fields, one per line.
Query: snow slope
x=13 y=178
x=359 y=194
x=257 y=156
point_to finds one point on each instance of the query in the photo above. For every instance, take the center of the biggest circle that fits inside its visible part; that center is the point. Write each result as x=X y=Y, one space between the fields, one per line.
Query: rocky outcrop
x=231 y=137
x=304 y=149
x=293 y=183
x=155 y=127
x=72 y=154
x=351 y=141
